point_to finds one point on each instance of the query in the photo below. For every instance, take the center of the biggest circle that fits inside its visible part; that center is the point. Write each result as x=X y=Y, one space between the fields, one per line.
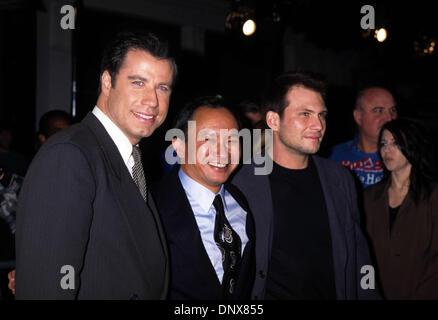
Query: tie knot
x=217 y=203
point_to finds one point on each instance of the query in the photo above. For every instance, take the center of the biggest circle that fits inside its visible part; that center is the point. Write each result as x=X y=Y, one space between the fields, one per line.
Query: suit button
x=397 y=254
x=261 y=274
x=256 y=297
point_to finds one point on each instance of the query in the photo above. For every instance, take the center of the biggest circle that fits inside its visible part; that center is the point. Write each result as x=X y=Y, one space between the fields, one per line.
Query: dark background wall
x=17 y=76
x=322 y=36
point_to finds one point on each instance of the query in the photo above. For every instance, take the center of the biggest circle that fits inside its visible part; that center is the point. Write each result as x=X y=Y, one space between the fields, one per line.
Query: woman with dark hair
x=402 y=213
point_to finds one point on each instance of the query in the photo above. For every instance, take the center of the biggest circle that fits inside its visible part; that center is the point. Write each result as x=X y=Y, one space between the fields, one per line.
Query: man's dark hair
x=415 y=143
x=115 y=53
x=248 y=106
x=275 y=98
x=45 y=125
x=214 y=102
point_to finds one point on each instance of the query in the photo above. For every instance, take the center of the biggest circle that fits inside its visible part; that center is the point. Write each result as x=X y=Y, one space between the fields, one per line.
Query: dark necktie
x=138 y=173
x=230 y=245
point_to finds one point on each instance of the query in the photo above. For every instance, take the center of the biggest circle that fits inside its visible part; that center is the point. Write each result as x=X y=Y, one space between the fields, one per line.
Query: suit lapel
x=153 y=208
x=245 y=281
x=138 y=215
x=259 y=200
x=333 y=194
x=182 y=223
x=243 y=203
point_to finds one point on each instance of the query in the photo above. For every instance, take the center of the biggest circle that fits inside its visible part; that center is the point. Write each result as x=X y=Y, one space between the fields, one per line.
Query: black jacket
x=80 y=207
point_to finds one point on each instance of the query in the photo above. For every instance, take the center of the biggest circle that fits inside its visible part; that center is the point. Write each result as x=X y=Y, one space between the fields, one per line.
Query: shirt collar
x=200 y=194
x=122 y=142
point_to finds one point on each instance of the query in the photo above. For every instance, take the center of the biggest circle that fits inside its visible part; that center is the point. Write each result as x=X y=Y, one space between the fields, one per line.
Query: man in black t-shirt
x=314 y=248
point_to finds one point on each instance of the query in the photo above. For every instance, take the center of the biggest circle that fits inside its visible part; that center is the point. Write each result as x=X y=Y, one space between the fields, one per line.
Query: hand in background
x=11 y=277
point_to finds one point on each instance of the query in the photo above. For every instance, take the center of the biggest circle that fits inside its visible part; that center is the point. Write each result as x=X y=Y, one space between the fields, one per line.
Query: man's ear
x=357 y=114
x=273 y=120
x=179 y=146
x=105 y=82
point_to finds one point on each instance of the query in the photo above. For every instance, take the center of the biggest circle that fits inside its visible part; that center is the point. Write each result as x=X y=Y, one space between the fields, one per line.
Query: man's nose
x=150 y=98
x=317 y=123
x=388 y=116
x=221 y=149
x=220 y=152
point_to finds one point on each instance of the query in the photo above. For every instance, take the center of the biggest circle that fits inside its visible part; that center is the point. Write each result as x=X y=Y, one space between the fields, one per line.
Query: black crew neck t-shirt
x=301 y=265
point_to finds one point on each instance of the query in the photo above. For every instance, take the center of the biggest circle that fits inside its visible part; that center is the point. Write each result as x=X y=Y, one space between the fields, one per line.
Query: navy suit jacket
x=192 y=274
x=350 y=248
x=80 y=207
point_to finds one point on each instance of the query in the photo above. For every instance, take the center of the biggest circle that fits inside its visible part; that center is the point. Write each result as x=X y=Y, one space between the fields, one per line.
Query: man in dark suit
x=309 y=241
x=208 y=225
x=87 y=227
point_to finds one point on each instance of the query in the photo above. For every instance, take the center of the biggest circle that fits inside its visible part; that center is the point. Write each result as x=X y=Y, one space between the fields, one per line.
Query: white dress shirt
x=201 y=201
x=122 y=142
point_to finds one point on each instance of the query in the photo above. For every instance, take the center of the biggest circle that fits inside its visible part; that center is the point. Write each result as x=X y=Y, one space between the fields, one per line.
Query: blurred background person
x=251 y=112
x=10 y=185
x=374 y=107
x=13 y=166
x=402 y=213
x=254 y=119
x=10 y=160
x=50 y=123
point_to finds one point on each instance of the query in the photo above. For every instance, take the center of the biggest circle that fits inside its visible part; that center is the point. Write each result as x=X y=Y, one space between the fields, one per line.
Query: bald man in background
x=374 y=107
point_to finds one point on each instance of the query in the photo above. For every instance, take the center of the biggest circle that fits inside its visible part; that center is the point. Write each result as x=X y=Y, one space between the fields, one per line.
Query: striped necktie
x=138 y=173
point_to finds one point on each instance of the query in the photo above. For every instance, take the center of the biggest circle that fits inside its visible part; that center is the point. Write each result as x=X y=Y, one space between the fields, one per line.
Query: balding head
x=374 y=107
x=373 y=96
